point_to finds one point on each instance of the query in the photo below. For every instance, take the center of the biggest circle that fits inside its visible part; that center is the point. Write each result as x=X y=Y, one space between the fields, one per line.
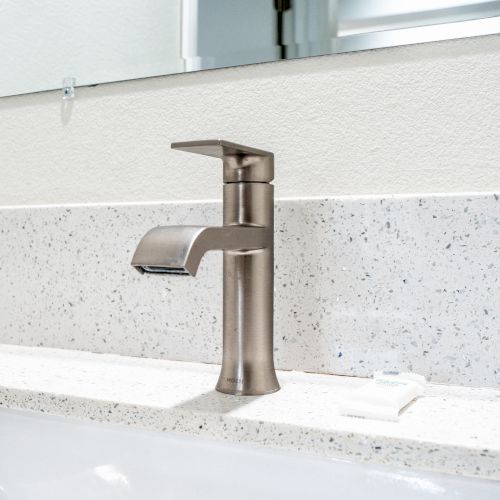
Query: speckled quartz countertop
x=450 y=429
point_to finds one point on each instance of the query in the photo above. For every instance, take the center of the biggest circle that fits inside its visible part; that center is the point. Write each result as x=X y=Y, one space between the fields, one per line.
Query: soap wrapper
x=384 y=396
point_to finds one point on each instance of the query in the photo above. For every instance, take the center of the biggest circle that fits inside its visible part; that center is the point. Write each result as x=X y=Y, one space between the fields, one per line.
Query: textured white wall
x=419 y=118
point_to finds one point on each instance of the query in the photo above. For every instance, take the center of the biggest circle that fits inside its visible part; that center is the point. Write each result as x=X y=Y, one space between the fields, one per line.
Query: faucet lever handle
x=241 y=163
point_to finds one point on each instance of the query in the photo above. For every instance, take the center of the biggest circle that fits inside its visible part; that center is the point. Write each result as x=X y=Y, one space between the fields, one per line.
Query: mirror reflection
x=43 y=43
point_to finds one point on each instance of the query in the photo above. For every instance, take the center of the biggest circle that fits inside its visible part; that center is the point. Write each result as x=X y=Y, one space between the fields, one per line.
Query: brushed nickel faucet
x=247 y=241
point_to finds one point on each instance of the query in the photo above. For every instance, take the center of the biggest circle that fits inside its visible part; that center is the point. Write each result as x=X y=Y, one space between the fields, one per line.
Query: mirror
x=92 y=42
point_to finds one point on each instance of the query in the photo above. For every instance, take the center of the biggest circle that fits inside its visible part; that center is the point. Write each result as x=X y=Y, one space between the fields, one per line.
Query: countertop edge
x=343 y=445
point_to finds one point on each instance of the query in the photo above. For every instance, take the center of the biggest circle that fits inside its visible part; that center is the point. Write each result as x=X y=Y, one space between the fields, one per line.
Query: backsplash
x=362 y=284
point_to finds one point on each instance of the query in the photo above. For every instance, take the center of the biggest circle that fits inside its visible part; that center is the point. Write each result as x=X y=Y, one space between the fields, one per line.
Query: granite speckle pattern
x=450 y=429
x=362 y=284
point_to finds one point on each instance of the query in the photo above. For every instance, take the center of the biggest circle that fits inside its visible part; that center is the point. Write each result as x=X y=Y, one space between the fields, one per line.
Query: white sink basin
x=44 y=458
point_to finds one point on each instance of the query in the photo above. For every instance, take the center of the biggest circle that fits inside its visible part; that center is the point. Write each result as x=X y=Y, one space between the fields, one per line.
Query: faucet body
x=247 y=241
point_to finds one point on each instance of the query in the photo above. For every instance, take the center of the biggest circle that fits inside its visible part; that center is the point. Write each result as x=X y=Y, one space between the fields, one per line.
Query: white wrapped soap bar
x=383 y=397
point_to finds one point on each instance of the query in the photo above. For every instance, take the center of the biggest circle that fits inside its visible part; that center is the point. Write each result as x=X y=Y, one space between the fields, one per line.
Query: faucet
x=247 y=241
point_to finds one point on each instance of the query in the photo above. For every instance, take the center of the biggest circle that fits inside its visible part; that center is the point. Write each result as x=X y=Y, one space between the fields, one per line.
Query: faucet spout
x=179 y=249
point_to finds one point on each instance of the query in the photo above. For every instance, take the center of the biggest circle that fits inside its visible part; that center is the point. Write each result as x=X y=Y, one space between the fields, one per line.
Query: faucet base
x=242 y=393
x=237 y=387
